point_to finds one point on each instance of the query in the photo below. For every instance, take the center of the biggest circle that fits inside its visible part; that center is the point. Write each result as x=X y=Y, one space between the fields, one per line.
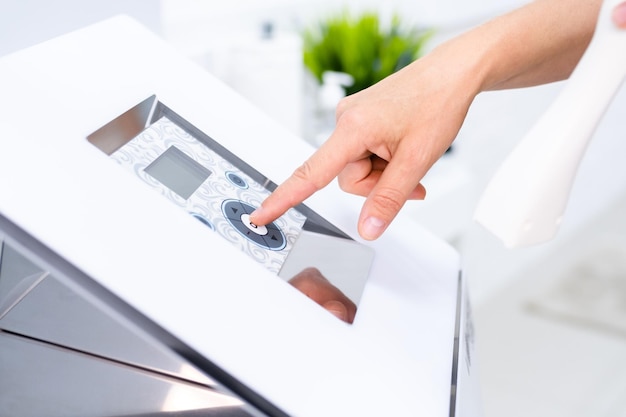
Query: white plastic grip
x=525 y=200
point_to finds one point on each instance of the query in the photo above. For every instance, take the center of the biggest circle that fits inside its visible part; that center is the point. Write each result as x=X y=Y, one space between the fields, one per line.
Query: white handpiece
x=525 y=200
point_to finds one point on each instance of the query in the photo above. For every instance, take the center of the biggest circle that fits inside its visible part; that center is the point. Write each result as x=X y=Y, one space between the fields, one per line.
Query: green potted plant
x=361 y=46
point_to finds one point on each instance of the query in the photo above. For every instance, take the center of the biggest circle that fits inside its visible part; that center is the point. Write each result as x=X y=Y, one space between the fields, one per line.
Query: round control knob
x=203 y=220
x=237 y=180
x=238 y=215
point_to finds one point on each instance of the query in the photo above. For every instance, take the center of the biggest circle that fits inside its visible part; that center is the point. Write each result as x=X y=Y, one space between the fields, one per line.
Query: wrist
x=465 y=62
x=531 y=45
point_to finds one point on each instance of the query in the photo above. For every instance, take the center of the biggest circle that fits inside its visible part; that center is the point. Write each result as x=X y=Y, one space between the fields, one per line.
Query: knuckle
x=306 y=179
x=343 y=105
x=350 y=117
x=388 y=201
x=304 y=173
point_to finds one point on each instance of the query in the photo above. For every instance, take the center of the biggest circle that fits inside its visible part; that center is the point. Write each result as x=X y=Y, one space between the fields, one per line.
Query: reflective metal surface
x=38 y=305
x=69 y=348
x=42 y=380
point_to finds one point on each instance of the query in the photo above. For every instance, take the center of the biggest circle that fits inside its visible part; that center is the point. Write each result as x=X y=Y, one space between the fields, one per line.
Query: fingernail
x=372 y=228
x=619 y=16
x=337 y=309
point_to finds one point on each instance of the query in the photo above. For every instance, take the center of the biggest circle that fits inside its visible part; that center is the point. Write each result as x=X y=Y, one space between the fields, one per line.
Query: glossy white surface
x=525 y=201
x=395 y=359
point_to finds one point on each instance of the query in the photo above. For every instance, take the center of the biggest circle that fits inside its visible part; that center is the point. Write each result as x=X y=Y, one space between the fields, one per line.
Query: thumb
x=380 y=208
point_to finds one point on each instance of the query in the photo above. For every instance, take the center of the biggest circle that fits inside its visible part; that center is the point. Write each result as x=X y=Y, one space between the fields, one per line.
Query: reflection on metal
x=118 y=132
x=180 y=398
x=54 y=312
x=18 y=277
x=21 y=290
x=40 y=379
x=63 y=354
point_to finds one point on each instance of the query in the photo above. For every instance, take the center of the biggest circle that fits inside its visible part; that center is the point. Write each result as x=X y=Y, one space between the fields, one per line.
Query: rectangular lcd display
x=178 y=172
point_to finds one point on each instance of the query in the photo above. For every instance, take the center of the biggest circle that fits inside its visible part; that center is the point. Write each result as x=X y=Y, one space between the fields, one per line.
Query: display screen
x=178 y=172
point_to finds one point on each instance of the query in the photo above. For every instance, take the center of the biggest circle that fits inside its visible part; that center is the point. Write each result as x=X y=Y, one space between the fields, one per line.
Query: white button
x=259 y=230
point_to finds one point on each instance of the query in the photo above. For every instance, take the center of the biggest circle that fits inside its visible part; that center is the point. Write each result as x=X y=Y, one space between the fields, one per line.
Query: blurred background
x=551 y=319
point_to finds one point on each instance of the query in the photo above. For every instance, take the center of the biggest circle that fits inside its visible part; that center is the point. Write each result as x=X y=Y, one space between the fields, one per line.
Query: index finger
x=313 y=175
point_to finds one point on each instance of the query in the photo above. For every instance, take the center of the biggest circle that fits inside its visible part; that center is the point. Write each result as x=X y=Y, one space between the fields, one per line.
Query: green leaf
x=361 y=47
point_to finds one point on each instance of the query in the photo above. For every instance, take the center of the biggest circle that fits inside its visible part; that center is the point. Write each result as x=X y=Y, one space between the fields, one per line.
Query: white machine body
x=211 y=303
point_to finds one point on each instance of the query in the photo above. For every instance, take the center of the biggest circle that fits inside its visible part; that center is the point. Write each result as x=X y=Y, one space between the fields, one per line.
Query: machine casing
x=125 y=295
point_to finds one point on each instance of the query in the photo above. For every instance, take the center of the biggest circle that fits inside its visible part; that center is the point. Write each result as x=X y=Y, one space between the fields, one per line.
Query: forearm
x=539 y=43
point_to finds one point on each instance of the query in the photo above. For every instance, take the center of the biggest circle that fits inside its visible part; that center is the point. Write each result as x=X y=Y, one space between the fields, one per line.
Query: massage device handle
x=524 y=202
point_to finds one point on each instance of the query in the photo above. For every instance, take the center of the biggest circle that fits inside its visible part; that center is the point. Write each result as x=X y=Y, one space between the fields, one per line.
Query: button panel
x=238 y=215
x=214 y=201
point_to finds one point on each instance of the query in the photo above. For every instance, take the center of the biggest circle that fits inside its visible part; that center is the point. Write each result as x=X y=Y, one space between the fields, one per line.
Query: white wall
x=26 y=22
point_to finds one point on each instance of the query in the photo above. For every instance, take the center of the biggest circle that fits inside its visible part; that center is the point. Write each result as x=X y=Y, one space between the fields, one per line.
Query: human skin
x=314 y=285
x=388 y=136
x=619 y=15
